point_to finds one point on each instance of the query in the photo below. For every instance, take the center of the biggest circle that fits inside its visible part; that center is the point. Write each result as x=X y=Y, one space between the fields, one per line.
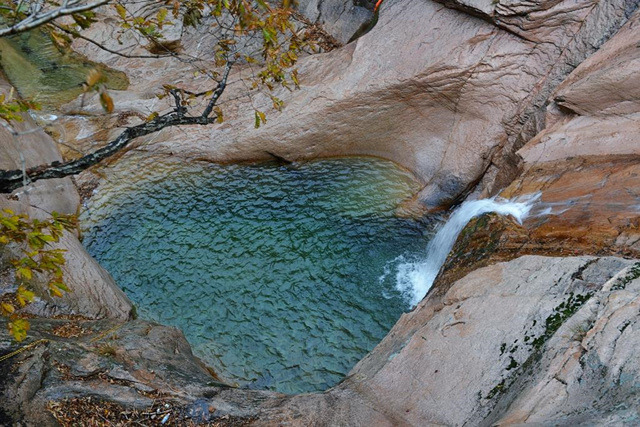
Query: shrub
x=28 y=243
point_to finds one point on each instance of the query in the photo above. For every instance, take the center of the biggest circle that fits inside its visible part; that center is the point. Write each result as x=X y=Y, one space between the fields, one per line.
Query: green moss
x=512 y=364
x=483 y=221
x=560 y=314
x=134 y=312
x=634 y=273
x=499 y=389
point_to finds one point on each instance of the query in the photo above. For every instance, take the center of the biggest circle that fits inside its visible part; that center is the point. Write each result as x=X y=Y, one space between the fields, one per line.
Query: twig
x=36 y=18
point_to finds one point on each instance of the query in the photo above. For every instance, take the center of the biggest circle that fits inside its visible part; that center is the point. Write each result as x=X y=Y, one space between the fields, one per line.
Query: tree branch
x=11 y=180
x=38 y=18
x=106 y=49
x=14 y=179
x=218 y=91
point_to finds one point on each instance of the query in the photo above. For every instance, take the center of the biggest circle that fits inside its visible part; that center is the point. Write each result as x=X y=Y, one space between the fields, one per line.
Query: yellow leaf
x=24 y=296
x=121 y=11
x=55 y=292
x=25 y=273
x=94 y=77
x=18 y=328
x=8 y=308
x=218 y=113
x=162 y=14
x=58 y=39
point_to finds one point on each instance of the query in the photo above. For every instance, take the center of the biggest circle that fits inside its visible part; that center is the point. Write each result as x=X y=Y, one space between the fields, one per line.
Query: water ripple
x=271 y=272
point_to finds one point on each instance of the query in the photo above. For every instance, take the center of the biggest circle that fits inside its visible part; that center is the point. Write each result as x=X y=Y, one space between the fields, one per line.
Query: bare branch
x=38 y=17
x=106 y=49
x=216 y=93
x=180 y=109
x=11 y=180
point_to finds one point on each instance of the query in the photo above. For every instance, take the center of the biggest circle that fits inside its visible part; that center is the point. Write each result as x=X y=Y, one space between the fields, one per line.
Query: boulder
x=342 y=19
x=455 y=359
x=125 y=363
x=588 y=375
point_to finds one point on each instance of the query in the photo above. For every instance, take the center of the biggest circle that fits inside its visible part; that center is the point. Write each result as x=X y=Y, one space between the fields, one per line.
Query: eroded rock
x=459 y=352
x=588 y=375
x=586 y=163
x=522 y=339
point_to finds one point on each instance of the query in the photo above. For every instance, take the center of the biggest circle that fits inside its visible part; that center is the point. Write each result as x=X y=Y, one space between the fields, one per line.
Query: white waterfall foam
x=414 y=279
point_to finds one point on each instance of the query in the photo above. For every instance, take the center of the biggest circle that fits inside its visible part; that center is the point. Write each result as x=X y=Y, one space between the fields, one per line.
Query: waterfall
x=414 y=279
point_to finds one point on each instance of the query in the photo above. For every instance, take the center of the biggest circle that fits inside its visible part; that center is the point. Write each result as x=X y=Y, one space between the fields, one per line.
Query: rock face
x=586 y=163
x=120 y=362
x=36 y=148
x=590 y=372
x=500 y=322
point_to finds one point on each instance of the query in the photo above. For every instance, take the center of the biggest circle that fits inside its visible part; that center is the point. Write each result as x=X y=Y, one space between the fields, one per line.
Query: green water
x=273 y=273
x=43 y=73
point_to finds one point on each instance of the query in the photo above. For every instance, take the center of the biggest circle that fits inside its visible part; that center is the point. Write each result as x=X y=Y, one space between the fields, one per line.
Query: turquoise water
x=272 y=272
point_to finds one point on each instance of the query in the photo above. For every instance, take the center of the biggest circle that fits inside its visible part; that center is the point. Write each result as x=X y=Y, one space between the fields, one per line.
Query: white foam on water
x=414 y=279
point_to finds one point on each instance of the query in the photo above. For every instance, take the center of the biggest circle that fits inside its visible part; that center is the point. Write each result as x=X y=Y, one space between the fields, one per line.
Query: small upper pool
x=42 y=72
x=276 y=274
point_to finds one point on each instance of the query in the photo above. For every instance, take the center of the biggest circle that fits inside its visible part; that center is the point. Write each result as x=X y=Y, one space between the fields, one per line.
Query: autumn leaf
x=121 y=11
x=162 y=15
x=7 y=308
x=19 y=328
x=24 y=296
x=55 y=292
x=33 y=235
x=25 y=273
x=106 y=101
x=263 y=117
x=218 y=112
x=94 y=77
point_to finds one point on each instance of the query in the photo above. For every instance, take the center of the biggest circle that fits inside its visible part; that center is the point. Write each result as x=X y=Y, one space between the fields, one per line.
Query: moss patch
x=632 y=274
x=560 y=314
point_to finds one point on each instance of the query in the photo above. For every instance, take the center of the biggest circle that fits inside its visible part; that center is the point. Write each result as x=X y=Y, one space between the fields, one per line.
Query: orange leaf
x=106 y=101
